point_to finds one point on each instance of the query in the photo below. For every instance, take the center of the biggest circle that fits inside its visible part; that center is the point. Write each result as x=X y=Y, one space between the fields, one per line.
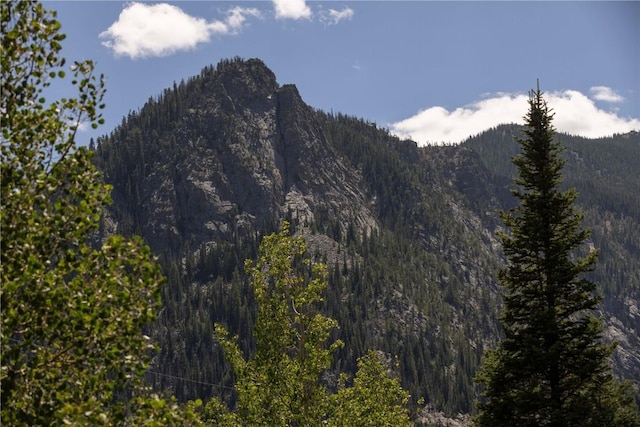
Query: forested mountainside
x=208 y=167
x=604 y=173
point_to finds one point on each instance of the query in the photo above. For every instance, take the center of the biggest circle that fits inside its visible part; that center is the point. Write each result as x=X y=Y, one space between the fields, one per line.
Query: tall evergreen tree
x=552 y=367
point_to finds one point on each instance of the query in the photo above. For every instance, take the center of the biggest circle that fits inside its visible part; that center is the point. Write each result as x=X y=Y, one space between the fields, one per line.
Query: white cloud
x=292 y=9
x=574 y=112
x=161 y=29
x=333 y=17
x=578 y=115
x=235 y=19
x=606 y=94
x=438 y=125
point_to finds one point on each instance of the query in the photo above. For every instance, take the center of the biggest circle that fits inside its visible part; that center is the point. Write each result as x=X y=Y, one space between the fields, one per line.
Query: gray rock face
x=251 y=151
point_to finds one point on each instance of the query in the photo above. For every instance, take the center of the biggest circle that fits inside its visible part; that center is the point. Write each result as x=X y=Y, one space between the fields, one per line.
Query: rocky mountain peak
x=245 y=151
x=244 y=81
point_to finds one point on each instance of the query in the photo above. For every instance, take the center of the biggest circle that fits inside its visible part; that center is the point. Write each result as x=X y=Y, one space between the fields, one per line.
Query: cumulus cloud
x=575 y=113
x=292 y=9
x=578 y=115
x=439 y=125
x=333 y=17
x=145 y=30
x=606 y=94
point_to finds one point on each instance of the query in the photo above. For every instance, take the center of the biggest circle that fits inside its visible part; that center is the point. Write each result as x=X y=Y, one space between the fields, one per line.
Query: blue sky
x=432 y=71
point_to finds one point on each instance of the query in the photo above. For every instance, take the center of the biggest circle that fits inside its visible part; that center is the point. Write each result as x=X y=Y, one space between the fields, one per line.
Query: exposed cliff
x=243 y=151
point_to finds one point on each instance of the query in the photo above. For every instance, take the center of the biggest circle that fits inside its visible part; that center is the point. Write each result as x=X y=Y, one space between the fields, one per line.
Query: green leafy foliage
x=282 y=384
x=552 y=367
x=375 y=398
x=73 y=351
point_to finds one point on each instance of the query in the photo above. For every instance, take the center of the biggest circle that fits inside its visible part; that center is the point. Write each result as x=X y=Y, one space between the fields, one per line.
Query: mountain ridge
x=408 y=232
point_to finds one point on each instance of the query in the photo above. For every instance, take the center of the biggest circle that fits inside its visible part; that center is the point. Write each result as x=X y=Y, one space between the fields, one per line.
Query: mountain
x=212 y=164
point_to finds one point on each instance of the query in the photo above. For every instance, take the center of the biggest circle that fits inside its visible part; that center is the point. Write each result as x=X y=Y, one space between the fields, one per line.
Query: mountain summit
x=238 y=150
x=205 y=169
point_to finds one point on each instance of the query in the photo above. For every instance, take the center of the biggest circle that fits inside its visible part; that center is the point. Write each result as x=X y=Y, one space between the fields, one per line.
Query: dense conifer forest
x=413 y=278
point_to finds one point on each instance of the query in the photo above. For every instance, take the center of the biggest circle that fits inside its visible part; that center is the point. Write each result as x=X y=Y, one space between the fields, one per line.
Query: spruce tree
x=552 y=366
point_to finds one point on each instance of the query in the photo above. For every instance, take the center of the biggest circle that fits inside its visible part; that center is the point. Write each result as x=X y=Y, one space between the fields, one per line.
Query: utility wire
x=189 y=380
x=160 y=374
